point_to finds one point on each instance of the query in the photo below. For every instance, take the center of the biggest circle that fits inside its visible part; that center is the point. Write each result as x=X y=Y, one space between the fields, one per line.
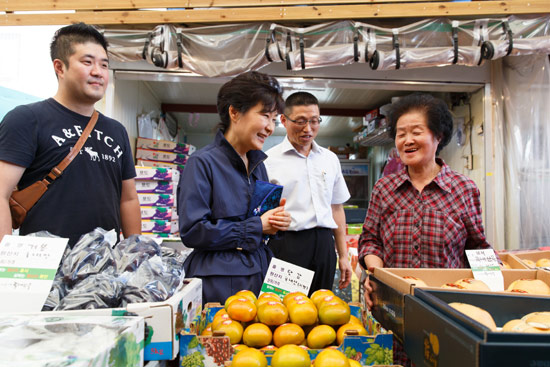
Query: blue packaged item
x=266 y=196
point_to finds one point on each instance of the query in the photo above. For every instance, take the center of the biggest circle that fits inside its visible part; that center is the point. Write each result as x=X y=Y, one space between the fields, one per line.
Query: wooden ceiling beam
x=49 y=5
x=199 y=108
x=276 y=14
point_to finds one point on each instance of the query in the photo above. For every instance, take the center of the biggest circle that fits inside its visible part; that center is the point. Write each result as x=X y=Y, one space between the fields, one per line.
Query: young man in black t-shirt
x=97 y=189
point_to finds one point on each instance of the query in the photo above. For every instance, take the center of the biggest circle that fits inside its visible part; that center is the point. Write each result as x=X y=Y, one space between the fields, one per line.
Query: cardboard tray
x=437 y=334
x=216 y=350
x=389 y=288
x=532 y=255
x=512 y=260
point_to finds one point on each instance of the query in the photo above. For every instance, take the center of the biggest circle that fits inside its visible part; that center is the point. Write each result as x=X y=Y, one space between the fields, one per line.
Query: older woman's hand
x=367 y=289
x=275 y=219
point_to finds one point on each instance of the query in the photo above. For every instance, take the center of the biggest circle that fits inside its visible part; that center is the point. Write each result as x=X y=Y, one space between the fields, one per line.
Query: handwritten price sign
x=27 y=269
x=486 y=267
x=283 y=277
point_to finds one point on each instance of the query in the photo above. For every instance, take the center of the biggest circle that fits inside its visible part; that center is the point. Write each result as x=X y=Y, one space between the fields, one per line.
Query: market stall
x=488 y=60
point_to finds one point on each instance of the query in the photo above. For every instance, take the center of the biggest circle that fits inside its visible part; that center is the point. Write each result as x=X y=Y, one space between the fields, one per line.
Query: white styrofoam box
x=155 y=187
x=161 y=156
x=65 y=338
x=166 y=200
x=165 y=145
x=156 y=212
x=155 y=173
x=164 y=319
x=146 y=163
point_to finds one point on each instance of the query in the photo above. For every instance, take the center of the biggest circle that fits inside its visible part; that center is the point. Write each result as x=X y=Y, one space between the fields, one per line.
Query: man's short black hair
x=300 y=99
x=62 y=43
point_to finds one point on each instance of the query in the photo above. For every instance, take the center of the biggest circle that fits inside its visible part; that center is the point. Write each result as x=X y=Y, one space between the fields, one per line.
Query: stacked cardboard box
x=156 y=187
x=162 y=153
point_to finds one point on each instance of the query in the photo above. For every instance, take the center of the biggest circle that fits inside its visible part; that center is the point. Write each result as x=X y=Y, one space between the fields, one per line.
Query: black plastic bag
x=151 y=282
x=91 y=255
x=96 y=291
x=133 y=251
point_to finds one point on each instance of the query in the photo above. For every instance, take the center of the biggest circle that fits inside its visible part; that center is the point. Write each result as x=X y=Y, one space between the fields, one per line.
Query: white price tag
x=27 y=268
x=486 y=267
x=283 y=277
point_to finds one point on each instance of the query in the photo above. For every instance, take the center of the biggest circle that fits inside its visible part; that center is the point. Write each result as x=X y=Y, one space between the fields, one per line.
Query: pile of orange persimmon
x=286 y=327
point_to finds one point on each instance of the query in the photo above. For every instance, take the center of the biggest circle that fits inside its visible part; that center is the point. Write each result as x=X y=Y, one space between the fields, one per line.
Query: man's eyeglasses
x=303 y=122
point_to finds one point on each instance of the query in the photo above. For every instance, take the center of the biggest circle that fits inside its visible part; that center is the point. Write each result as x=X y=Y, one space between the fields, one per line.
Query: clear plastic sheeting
x=517 y=36
x=327 y=44
x=228 y=50
x=522 y=167
x=129 y=45
x=40 y=340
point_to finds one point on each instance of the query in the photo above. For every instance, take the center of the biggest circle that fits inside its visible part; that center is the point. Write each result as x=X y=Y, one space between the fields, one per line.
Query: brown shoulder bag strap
x=58 y=170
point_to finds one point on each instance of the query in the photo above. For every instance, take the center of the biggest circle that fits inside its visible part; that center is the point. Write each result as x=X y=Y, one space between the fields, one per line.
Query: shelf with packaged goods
x=375 y=138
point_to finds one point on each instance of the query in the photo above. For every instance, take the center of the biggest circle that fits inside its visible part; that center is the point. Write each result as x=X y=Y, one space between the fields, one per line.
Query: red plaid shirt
x=431 y=229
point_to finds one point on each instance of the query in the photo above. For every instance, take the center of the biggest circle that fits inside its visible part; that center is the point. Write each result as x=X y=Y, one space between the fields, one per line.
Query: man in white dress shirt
x=315 y=191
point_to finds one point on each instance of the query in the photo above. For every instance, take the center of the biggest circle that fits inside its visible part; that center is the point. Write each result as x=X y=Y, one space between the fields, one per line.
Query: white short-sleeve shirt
x=310 y=184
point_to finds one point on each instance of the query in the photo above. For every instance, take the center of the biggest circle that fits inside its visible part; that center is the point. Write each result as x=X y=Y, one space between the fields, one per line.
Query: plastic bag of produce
x=96 y=291
x=151 y=282
x=133 y=251
x=92 y=254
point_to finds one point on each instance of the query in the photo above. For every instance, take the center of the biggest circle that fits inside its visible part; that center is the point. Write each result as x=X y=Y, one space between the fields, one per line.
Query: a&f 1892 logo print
x=106 y=150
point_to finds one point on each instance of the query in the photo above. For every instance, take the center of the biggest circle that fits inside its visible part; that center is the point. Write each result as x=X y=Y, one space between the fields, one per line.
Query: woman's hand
x=371 y=262
x=367 y=290
x=275 y=219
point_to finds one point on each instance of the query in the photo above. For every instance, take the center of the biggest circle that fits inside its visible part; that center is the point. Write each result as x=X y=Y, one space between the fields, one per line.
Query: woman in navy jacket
x=215 y=190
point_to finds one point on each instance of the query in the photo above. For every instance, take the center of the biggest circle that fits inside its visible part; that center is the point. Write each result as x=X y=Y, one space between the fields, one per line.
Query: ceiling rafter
x=48 y=5
x=95 y=15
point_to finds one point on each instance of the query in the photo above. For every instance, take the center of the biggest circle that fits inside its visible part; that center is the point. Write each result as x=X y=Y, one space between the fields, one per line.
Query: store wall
x=125 y=100
x=454 y=154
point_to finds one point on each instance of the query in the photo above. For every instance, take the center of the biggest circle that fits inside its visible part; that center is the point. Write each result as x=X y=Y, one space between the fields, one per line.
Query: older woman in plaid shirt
x=425 y=215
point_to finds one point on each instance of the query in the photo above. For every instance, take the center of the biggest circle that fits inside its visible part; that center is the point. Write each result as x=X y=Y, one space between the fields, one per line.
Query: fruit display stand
x=389 y=289
x=163 y=320
x=216 y=351
x=438 y=335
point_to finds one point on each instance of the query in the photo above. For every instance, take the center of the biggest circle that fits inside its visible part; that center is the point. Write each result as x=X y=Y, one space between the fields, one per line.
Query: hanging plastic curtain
x=516 y=37
x=522 y=90
x=228 y=50
x=428 y=43
x=329 y=44
x=129 y=45
x=223 y=50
